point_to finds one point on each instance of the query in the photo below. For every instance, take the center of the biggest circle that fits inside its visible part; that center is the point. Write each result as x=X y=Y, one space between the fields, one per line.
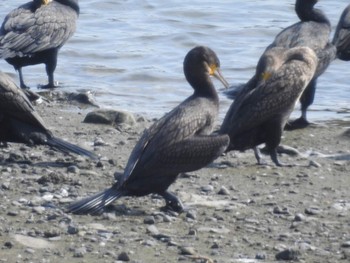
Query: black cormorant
x=34 y=32
x=341 y=37
x=20 y=123
x=178 y=142
x=259 y=114
x=312 y=31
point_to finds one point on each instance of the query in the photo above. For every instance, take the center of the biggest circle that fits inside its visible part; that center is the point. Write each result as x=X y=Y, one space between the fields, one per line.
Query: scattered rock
x=110 y=117
x=123 y=256
x=288 y=254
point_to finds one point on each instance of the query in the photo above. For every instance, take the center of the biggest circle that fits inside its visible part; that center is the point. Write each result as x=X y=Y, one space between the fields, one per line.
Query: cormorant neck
x=204 y=87
x=307 y=12
x=71 y=3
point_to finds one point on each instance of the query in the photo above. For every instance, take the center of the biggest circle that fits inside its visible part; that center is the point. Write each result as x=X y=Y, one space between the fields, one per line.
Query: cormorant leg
x=21 y=81
x=50 y=69
x=258 y=157
x=306 y=99
x=274 y=158
x=172 y=202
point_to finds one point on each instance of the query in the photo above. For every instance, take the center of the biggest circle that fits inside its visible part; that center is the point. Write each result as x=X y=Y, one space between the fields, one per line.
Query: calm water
x=130 y=52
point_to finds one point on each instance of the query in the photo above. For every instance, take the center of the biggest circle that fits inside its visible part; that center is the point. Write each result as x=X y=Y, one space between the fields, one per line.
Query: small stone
x=99 y=142
x=5 y=185
x=12 y=213
x=111 y=117
x=72 y=230
x=346 y=244
x=224 y=191
x=123 y=257
x=8 y=244
x=191 y=214
x=260 y=256
x=73 y=169
x=207 y=188
x=39 y=210
x=153 y=230
x=313 y=211
x=187 y=250
x=79 y=252
x=313 y=163
x=53 y=232
x=288 y=254
x=149 y=220
x=299 y=217
x=30 y=251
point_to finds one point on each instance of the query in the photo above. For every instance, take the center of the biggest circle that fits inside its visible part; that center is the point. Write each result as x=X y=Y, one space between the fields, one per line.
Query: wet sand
x=238 y=211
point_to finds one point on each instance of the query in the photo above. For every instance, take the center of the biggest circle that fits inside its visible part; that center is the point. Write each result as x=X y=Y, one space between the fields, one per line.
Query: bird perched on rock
x=341 y=37
x=20 y=123
x=178 y=142
x=260 y=112
x=34 y=32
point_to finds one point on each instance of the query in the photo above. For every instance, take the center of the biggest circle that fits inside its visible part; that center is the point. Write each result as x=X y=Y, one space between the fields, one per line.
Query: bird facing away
x=259 y=114
x=341 y=37
x=313 y=30
x=20 y=123
x=34 y=32
x=178 y=142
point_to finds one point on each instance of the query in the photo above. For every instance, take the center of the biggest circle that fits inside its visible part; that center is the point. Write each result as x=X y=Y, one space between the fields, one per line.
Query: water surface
x=130 y=52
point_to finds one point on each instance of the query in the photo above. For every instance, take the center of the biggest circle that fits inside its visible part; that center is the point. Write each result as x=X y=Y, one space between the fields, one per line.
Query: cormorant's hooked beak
x=216 y=72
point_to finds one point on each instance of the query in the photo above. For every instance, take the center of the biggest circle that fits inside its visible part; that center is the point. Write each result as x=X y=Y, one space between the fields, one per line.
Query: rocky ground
x=238 y=211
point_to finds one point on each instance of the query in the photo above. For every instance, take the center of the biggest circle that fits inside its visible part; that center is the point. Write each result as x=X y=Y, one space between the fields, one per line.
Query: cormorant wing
x=171 y=135
x=342 y=34
x=270 y=99
x=24 y=32
x=14 y=103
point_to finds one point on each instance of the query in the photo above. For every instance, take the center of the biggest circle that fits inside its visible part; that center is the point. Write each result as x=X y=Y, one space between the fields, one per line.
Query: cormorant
x=259 y=114
x=34 y=32
x=312 y=31
x=20 y=123
x=178 y=142
x=341 y=37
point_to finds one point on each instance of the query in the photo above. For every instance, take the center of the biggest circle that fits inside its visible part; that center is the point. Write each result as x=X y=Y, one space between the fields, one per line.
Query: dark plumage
x=20 y=123
x=312 y=31
x=341 y=37
x=259 y=114
x=178 y=142
x=34 y=32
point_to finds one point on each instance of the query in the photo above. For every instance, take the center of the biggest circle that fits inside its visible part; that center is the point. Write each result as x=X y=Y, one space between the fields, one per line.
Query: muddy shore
x=238 y=211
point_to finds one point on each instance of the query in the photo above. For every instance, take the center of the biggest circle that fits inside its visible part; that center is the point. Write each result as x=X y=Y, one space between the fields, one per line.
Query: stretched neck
x=71 y=3
x=307 y=12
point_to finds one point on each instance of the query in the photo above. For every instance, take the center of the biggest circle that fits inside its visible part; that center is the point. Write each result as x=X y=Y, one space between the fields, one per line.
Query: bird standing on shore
x=341 y=37
x=34 y=32
x=20 y=123
x=178 y=142
x=312 y=31
x=258 y=115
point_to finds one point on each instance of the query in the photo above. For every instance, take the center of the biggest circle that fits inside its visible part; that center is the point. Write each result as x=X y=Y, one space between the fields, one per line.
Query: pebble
x=185 y=250
x=153 y=230
x=79 y=252
x=149 y=220
x=288 y=254
x=72 y=230
x=123 y=256
x=299 y=217
x=111 y=117
x=224 y=191
x=313 y=211
x=207 y=188
x=73 y=169
x=346 y=244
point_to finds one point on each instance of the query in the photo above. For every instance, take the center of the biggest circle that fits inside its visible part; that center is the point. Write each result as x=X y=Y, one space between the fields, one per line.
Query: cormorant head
x=200 y=63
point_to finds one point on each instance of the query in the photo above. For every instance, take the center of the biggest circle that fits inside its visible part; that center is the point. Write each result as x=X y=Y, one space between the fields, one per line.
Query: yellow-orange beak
x=216 y=72
x=46 y=2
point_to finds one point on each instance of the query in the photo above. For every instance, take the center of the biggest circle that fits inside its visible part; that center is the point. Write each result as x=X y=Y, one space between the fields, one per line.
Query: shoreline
x=239 y=211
